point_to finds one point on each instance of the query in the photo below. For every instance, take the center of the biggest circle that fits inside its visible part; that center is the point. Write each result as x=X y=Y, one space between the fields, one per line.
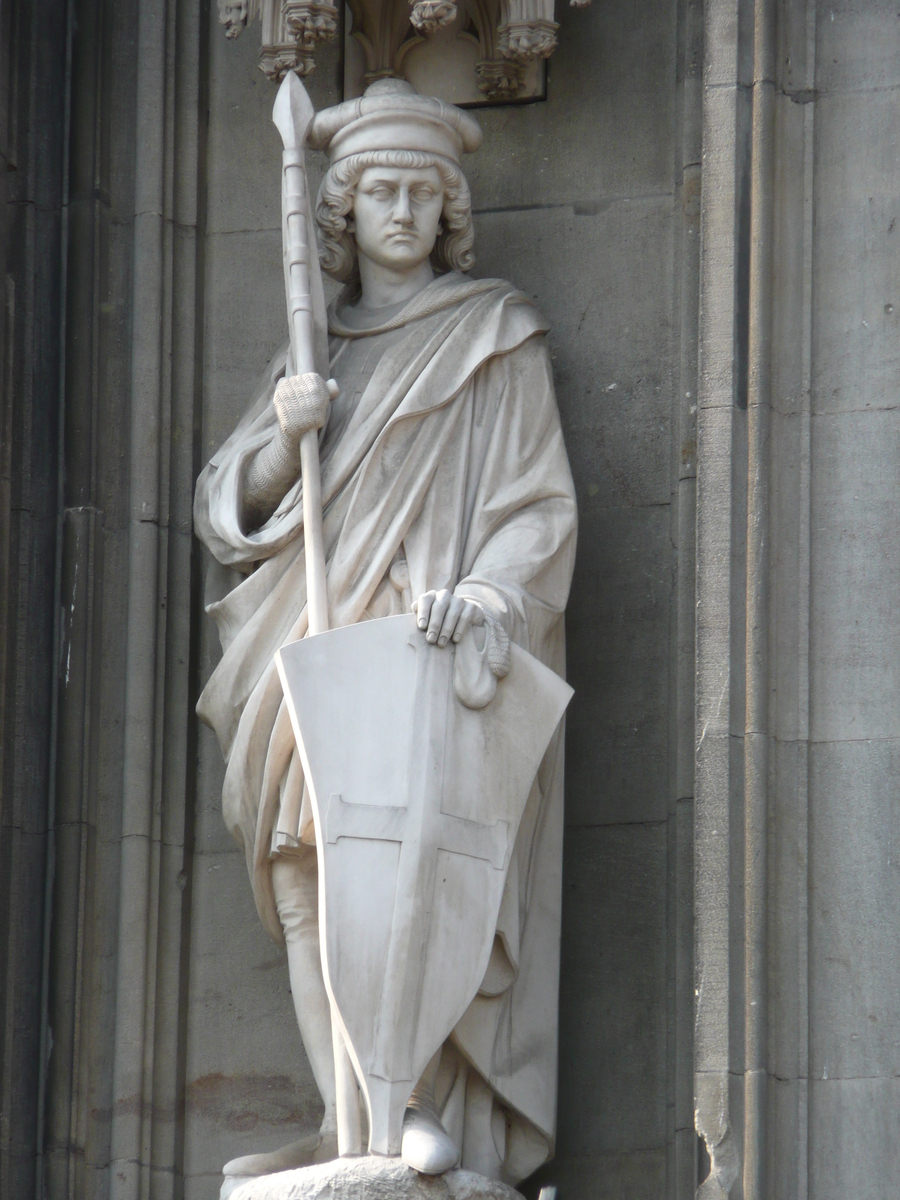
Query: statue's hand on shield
x=446 y=617
x=480 y=660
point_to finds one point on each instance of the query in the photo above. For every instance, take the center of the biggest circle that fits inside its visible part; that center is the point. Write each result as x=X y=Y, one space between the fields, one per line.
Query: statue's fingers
x=422 y=608
x=438 y=612
x=333 y=389
x=450 y=623
x=470 y=615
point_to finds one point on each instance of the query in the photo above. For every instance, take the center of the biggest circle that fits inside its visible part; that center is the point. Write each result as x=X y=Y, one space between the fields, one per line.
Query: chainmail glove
x=498 y=646
x=481 y=659
x=301 y=403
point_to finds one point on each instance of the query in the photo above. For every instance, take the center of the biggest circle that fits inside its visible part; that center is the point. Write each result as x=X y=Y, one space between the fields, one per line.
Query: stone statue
x=446 y=493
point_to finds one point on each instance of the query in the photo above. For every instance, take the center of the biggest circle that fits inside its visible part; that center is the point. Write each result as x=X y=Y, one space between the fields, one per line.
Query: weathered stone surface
x=607 y=127
x=636 y=1174
x=824 y=686
x=854 y=711
x=369 y=1178
x=855 y=639
x=854 y=958
x=616 y=407
x=859 y=46
x=613 y=900
x=856 y=1151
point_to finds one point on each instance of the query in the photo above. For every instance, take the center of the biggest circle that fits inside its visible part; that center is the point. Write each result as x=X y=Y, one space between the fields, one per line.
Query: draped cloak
x=447 y=458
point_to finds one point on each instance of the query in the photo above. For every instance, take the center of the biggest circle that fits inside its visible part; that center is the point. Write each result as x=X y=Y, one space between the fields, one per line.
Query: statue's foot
x=314 y=1148
x=426 y=1145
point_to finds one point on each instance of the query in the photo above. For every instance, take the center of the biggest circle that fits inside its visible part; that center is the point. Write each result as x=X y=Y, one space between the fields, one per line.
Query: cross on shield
x=417 y=801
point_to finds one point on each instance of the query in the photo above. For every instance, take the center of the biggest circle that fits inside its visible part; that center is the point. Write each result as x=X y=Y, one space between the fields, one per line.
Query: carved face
x=396 y=214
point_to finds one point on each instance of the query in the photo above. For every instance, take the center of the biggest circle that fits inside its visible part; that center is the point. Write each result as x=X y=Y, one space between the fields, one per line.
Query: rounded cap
x=393 y=116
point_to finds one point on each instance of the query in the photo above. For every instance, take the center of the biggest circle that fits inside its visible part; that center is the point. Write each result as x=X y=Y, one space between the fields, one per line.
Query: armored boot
x=426 y=1145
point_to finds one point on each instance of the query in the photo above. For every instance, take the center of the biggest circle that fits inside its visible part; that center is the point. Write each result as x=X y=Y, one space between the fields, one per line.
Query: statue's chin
x=404 y=263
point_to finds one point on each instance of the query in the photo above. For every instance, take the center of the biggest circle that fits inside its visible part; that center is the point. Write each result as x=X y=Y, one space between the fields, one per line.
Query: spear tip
x=293 y=112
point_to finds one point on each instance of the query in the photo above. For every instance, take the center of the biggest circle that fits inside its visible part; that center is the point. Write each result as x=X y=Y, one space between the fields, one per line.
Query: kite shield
x=417 y=801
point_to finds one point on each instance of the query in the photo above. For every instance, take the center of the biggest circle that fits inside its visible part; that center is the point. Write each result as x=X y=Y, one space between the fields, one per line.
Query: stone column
x=32 y=62
x=125 y=601
x=159 y=685
x=797 y=581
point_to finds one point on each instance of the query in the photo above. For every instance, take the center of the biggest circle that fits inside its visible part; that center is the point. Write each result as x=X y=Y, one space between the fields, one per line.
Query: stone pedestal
x=369 y=1179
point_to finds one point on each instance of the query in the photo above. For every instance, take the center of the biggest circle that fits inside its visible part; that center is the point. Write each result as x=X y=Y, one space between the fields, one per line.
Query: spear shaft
x=293 y=114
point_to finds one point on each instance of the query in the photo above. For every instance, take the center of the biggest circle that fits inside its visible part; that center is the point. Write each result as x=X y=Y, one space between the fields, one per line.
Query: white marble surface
x=445 y=488
x=418 y=798
x=369 y=1178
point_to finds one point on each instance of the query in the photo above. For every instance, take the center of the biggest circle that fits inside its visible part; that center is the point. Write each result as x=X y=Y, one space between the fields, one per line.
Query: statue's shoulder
x=456 y=288
x=494 y=300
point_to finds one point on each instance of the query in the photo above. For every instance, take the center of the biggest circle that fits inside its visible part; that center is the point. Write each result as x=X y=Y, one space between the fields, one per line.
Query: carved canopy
x=510 y=35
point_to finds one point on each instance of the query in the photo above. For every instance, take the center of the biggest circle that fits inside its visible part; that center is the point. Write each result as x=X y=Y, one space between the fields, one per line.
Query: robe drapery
x=443 y=466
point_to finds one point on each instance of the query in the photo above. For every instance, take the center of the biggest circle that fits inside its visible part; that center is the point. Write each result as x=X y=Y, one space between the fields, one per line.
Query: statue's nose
x=402 y=211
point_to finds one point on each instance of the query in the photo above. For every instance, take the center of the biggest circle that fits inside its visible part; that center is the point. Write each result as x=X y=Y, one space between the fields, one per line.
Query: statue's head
x=394 y=152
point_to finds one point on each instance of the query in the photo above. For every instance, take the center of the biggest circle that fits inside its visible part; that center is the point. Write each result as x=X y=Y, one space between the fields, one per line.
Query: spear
x=293 y=114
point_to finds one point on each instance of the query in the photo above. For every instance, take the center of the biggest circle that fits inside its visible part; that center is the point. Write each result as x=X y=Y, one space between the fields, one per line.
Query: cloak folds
x=447 y=460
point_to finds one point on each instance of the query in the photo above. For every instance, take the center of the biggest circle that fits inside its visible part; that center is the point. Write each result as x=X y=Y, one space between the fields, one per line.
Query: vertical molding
x=789 y=604
x=721 y=498
x=32 y=176
x=756 y=731
x=682 y=1158
x=753 y=600
x=804 y=510
x=140 y=830
x=157 y=776
x=68 y=931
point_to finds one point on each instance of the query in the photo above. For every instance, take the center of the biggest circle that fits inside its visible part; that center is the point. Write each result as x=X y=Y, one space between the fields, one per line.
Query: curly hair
x=338 y=256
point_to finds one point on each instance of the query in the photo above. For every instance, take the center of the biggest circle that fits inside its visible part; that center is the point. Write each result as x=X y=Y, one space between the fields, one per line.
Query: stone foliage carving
x=430 y=15
x=510 y=34
x=291 y=31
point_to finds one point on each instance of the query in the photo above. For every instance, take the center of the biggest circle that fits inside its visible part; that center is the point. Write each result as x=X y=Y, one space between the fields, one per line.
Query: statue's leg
x=295 y=884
